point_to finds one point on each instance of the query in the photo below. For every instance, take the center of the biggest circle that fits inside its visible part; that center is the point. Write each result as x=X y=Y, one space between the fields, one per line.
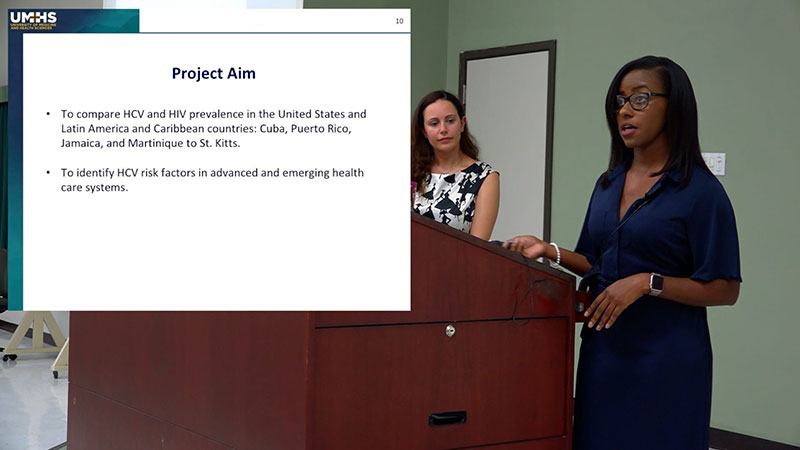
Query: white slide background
x=209 y=243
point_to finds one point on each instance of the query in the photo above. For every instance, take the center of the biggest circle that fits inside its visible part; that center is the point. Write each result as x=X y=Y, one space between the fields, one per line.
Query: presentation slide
x=217 y=160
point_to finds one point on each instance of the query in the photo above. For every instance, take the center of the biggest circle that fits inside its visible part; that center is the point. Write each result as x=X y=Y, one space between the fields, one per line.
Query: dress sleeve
x=586 y=245
x=714 y=242
x=486 y=171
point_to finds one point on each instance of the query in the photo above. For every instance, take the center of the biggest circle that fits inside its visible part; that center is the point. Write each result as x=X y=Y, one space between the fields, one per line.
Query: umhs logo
x=26 y=17
x=32 y=20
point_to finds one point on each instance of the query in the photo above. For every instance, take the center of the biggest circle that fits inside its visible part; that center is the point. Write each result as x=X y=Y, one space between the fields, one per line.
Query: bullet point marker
x=48 y=113
x=48 y=172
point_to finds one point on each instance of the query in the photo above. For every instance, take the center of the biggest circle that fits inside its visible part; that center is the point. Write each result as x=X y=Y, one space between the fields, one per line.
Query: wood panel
x=96 y=422
x=240 y=378
x=559 y=443
x=376 y=386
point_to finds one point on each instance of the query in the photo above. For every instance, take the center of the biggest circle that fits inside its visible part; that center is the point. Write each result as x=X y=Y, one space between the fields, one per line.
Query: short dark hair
x=680 y=124
x=421 y=150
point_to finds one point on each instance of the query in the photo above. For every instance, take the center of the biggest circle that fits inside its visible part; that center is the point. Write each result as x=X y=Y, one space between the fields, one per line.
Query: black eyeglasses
x=638 y=101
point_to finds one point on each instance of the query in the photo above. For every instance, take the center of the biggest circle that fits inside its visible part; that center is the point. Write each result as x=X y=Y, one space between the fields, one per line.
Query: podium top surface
x=494 y=248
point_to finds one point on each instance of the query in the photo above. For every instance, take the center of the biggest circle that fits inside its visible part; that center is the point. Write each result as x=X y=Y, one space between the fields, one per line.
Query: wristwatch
x=656 y=284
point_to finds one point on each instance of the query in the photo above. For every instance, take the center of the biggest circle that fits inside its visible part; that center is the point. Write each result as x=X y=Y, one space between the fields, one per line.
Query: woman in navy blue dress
x=658 y=246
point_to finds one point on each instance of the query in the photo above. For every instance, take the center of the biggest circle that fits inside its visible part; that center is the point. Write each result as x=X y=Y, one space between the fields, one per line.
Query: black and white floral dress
x=450 y=198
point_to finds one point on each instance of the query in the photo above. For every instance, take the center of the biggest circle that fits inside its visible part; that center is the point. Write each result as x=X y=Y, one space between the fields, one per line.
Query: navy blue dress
x=645 y=383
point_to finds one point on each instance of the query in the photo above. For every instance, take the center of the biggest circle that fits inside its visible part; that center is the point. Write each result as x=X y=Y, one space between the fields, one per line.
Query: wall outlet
x=715 y=162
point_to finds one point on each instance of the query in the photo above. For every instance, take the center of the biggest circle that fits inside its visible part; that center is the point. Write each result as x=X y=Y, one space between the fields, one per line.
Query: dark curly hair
x=421 y=150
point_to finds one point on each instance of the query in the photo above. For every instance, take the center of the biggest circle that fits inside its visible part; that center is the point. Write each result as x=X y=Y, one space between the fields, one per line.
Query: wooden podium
x=484 y=358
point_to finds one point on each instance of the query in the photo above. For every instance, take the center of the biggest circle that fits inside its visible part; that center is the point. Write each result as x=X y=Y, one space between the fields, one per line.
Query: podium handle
x=447 y=418
x=582 y=301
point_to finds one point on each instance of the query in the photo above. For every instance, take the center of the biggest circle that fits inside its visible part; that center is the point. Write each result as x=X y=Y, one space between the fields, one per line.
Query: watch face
x=657 y=283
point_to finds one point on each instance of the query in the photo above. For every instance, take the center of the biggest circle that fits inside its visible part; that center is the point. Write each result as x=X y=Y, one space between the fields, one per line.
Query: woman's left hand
x=605 y=309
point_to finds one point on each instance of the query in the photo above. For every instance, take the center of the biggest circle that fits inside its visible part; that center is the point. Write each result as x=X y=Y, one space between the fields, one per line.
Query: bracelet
x=558 y=254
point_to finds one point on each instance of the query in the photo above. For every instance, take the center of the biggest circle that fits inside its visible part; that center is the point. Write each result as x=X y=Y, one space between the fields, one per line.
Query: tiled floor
x=33 y=405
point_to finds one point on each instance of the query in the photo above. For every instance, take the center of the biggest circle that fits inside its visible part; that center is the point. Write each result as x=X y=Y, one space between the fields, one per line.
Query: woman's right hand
x=530 y=246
